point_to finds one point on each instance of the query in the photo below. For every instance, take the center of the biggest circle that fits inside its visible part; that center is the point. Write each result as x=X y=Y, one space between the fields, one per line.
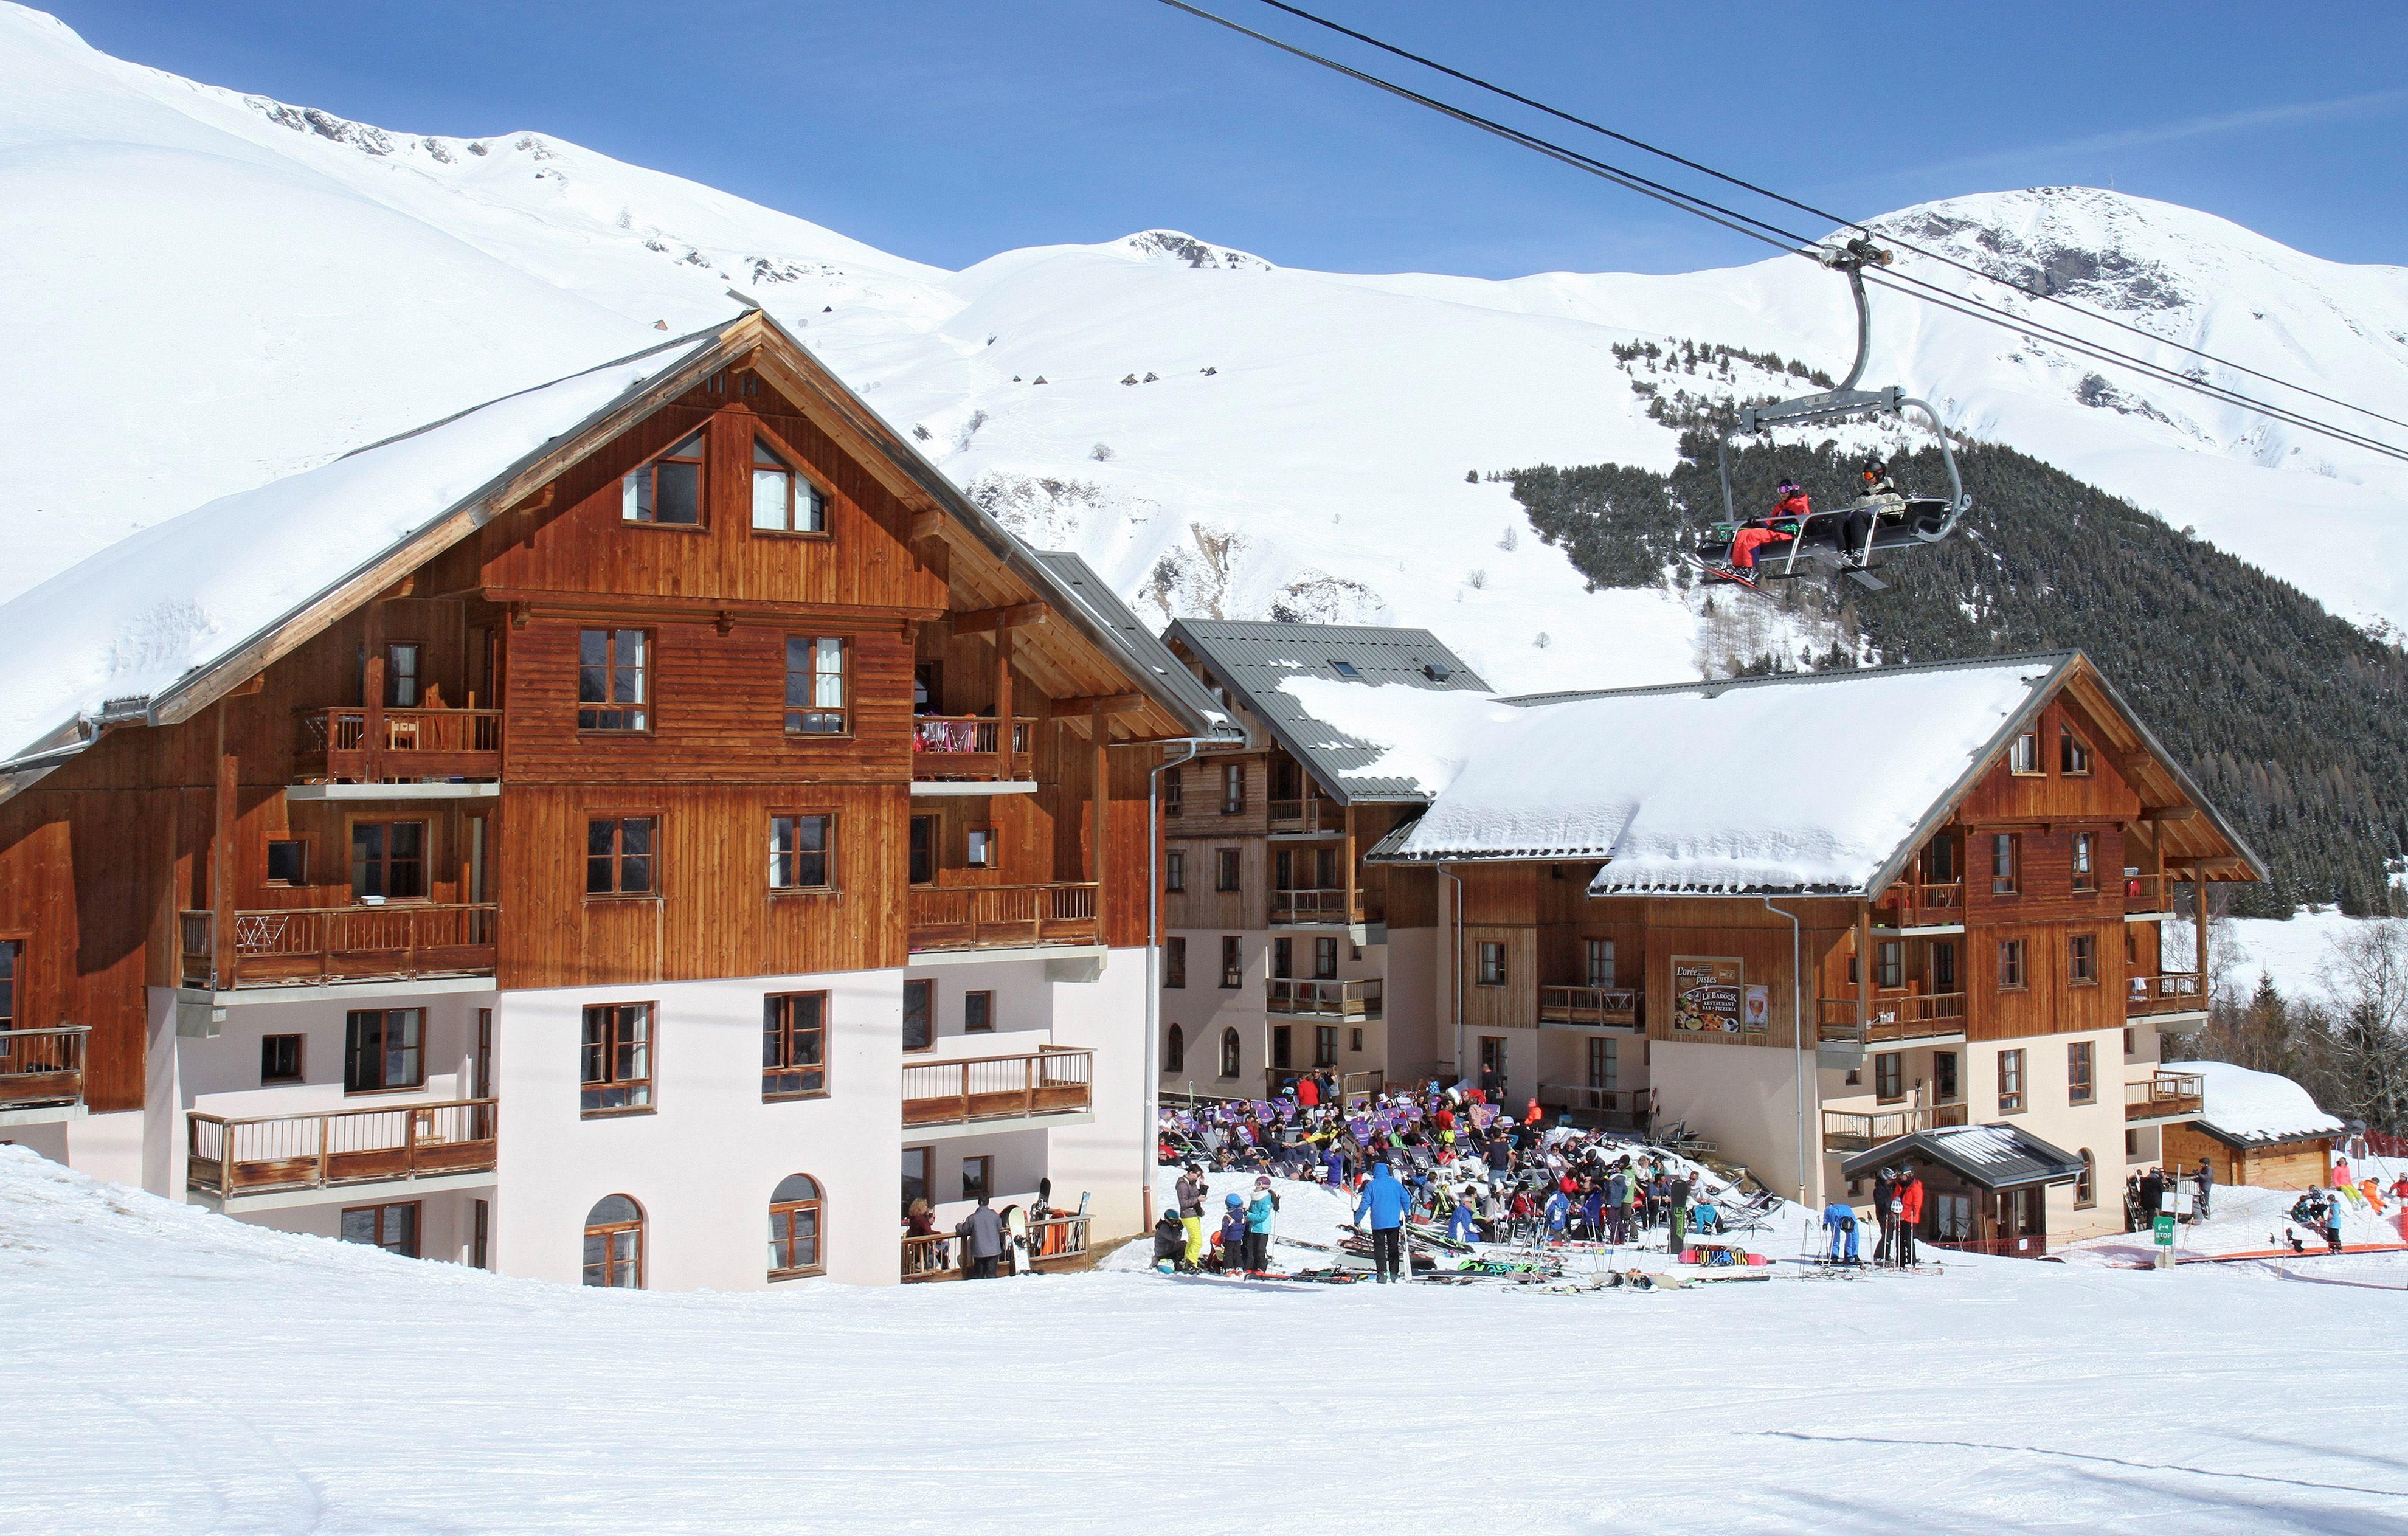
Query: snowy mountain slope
x=224 y=289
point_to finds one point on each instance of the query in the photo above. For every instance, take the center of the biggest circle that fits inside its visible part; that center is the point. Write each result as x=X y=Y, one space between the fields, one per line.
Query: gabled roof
x=2242 y=1108
x=1993 y=1156
x=1255 y=661
x=155 y=628
x=1077 y=578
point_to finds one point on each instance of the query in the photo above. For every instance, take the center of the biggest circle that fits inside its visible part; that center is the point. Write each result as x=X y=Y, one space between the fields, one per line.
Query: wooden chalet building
x=587 y=833
x=2258 y=1128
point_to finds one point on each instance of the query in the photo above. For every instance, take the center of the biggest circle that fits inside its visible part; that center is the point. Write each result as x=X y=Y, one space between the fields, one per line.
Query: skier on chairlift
x=1778 y=527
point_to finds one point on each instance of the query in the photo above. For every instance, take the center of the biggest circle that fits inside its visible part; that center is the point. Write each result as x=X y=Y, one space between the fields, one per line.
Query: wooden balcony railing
x=1323 y=999
x=42 y=1067
x=1309 y=814
x=2166 y=1095
x=1850 y=1130
x=339 y=744
x=1890 y=1019
x=1611 y=1109
x=2169 y=992
x=945 y=917
x=1906 y=905
x=1600 y=1007
x=303 y=946
x=1351 y=1085
x=956 y=1093
x=339 y=1148
x=967 y=746
x=1052 y=1240
x=2149 y=892
x=1323 y=907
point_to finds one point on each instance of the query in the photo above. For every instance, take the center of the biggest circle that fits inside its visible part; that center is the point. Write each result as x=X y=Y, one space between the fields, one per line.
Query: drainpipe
x=1444 y=873
x=1152 y=1098
x=1797 y=1034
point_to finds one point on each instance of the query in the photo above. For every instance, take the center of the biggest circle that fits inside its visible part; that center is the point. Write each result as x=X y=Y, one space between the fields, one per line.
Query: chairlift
x=1842 y=537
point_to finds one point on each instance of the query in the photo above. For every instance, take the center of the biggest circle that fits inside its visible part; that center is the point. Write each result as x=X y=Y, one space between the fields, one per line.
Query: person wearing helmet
x=1233 y=1234
x=1259 y=1212
x=1779 y=527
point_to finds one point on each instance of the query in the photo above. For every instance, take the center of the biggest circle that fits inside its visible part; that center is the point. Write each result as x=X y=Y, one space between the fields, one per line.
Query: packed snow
x=166 y=1369
x=2259 y=1106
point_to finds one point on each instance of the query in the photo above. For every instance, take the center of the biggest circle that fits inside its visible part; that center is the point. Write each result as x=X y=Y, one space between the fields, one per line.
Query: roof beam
x=1099 y=704
x=986 y=620
x=2170 y=813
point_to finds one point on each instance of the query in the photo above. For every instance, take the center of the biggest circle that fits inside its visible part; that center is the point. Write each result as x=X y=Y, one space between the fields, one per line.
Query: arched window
x=1229 y=1053
x=1174 y=1050
x=667 y=490
x=614 y=1243
x=795 y=1227
x=783 y=500
x=2085 y=1184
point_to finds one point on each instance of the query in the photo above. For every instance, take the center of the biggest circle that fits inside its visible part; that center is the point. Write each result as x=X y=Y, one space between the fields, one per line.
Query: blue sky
x=946 y=130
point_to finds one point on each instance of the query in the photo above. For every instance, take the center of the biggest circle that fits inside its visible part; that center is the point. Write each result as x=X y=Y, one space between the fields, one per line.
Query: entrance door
x=1492 y=1054
x=924 y=850
x=1280 y=1047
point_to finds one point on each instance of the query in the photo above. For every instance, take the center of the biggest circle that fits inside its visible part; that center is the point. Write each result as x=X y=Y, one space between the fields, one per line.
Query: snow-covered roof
x=1281 y=673
x=1811 y=782
x=1992 y=1156
x=2258 y=1108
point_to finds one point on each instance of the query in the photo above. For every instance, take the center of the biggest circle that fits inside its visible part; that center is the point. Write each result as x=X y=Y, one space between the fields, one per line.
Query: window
x=783 y=501
x=2023 y=757
x=924 y=850
x=613 y=679
x=615 y=1073
x=1229 y=1053
x=288 y=861
x=1174 y=962
x=1282 y=1034
x=2079 y=1084
x=1233 y=965
x=480 y=1065
x=1174 y=792
x=1174 y=870
x=1492 y=963
x=977 y=1176
x=1324 y=1045
x=614 y=1243
x=816 y=690
x=2084 y=875
x=1354 y=1041
x=2082 y=959
x=1324 y=959
x=392 y=1228
x=978 y=1013
x=2002 y=864
x=1224 y=873
x=799 y=854
x=2128 y=1037
x=794 y=1044
x=917 y=1177
x=1174 y=1050
x=480 y=1231
x=1944 y=1086
x=927 y=688
x=389 y=860
x=2085 y=1184
x=1890 y=1077
x=2010 y=1081
x=795 y=1227
x=1604 y=1064
x=619 y=856
x=401 y=676
x=1233 y=789
x=1283 y=958
x=2131 y=1146
x=1344 y=669
x=2073 y=757
x=280 y=1058
x=1600 y=962
x=2010 y=964
x=919 y=1015
x=979 y=850
x=1940 y=862
x=383 y=1049
x=668 y=490
x=1943 y=968
x=1889 y=964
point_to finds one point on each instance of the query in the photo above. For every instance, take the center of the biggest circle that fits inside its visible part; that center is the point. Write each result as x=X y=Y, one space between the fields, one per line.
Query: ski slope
x=213 y=290
x=166 y=1369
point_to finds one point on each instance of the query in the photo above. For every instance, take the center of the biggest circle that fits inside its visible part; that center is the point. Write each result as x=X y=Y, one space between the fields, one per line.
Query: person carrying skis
x=1258 y=1227
x=1191 y=1192
x=1839 y=1224
x=1381 y=1210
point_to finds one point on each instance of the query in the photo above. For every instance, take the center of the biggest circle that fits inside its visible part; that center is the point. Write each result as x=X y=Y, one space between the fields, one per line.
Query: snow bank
x=2259 y=1106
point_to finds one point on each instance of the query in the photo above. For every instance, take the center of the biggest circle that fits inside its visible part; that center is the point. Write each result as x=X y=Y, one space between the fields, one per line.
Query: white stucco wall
x=1744 y=1098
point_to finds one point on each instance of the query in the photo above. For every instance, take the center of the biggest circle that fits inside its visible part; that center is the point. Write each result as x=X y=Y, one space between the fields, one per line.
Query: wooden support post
x=1865 y=973
x=1003 y=702
x=372 y=696
x=2199 y=922
x=225 y=808
x=1099 y=727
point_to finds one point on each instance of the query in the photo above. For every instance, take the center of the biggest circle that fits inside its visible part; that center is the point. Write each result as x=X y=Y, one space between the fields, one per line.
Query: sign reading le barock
x=1707 y=994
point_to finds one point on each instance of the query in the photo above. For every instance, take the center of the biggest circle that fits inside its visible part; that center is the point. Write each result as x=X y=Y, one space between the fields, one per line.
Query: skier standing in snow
x=1884 y=1208
x=1381 y=1211
x=1910 y=1213
x=1840 y=1223
x=1258 y=1227
x=1192 y=1190
x=1617 y=1206
x=2206 y=1185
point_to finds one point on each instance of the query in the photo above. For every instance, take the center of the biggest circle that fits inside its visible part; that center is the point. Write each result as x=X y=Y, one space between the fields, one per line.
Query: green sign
x=2165 y=1232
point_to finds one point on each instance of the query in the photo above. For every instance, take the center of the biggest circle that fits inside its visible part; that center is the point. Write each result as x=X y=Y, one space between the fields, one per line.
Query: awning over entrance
x=1993 y=1158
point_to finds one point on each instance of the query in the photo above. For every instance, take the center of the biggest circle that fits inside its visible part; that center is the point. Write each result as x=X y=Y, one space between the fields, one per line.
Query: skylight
x=1344 y=668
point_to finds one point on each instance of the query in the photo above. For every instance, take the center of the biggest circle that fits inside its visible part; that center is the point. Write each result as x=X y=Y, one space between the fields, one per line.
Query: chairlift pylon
x=1844 y=537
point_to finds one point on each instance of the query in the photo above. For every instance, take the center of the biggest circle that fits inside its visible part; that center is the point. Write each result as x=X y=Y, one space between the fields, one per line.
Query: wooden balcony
x=2147 y=895
x=313 y=946
x=1906 y=905
x=1592 y=1007
x=43 y=1068
x=1322 y=1000
x=1895 y=1018
x=969 y=747
x=1606 y=1108
x=1311 y=816
x=1053 y=1243
x=958 y=917
x=1850 y=1130
x=2168 y=991
x=2166 y=1096
x=982 y=1088
x=1323 y=908
x=359 y=745
x=339 y=1149
x=1351 y=1085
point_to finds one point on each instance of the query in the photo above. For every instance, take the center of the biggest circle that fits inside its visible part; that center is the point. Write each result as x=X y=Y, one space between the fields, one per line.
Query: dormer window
x=783 y=500
x=1344 y=668
x=668 y=490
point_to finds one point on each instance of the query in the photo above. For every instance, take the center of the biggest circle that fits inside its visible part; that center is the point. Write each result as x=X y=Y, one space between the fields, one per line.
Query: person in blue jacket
x=1840 y=1222
x=1559 y=1216
x=1464 y=1226
x=1381 y=1210
x=1233 y=1235
x=1258 y=1227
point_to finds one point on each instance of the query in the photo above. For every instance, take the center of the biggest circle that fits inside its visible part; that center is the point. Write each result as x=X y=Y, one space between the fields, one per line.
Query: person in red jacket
x=1910 y=1213
x=1759 y=532
x=1308 y=1092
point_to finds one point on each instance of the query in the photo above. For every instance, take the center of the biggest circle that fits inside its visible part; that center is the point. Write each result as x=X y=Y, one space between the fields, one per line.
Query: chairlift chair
x=1817 y=540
